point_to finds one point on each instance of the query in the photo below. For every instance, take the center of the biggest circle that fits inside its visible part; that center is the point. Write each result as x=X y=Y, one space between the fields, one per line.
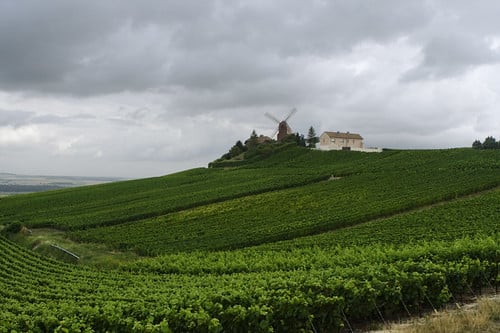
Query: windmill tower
x=283 y=128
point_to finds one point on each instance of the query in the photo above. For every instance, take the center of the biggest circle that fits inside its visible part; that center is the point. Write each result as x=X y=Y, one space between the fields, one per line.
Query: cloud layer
x=122 y=89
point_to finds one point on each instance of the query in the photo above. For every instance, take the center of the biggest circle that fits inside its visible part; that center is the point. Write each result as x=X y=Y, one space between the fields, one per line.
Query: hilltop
x=296 y=240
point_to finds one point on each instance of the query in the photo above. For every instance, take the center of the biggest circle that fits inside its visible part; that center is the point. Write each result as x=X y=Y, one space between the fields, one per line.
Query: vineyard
x=99 y=205
x=302 y=241
x=367 y=193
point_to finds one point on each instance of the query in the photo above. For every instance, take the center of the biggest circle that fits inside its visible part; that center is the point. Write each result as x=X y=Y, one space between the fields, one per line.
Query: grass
x=97 y=255
x=480 y=317
x=485 y=318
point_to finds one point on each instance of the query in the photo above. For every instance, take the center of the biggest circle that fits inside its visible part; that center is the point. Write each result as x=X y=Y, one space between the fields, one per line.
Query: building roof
x=263 y=138
x=347 y=135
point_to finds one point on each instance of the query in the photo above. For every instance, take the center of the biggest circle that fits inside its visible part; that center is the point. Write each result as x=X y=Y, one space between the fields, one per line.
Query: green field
x=300 y=241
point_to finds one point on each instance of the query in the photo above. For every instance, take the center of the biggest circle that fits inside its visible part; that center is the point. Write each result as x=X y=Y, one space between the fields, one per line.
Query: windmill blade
x=294 y=110
x=275 y=133
x=270 y=116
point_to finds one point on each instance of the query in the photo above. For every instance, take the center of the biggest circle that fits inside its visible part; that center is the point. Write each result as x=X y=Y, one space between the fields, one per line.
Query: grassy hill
x=301 y=240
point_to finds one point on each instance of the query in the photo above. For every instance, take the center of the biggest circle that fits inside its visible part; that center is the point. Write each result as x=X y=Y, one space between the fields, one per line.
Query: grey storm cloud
x=451 y=55
x=107 y=85
x=16 y=118
x=97 y=47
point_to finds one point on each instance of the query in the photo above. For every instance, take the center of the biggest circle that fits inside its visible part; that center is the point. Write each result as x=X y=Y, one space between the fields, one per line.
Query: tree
x=237 y=149
x=312 y=139
x=253 y=141
x=299 y=139
x=490 y=143
x=477 y=144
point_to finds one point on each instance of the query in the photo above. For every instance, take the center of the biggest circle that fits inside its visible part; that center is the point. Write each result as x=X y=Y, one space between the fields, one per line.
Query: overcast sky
x=146 y=88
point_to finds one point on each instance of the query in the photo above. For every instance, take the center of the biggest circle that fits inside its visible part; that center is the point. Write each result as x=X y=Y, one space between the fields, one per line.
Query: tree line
x=488 y=143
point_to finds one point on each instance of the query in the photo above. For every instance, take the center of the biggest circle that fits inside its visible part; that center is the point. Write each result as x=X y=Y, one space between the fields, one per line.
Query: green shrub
x=12 y=228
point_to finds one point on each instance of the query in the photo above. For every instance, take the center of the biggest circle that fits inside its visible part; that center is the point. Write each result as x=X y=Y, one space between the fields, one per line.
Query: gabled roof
x=340 y=135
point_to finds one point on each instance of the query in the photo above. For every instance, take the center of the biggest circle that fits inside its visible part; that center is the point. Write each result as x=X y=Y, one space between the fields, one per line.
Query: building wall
x=327 y=143
x=364 y=150
x=324 y=140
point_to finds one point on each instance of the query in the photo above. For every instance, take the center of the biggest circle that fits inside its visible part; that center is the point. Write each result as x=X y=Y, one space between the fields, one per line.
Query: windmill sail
x=283 y=129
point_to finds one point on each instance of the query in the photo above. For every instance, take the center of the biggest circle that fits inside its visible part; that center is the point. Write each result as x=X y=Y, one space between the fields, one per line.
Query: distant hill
x=12 y=188
x=17 y=184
